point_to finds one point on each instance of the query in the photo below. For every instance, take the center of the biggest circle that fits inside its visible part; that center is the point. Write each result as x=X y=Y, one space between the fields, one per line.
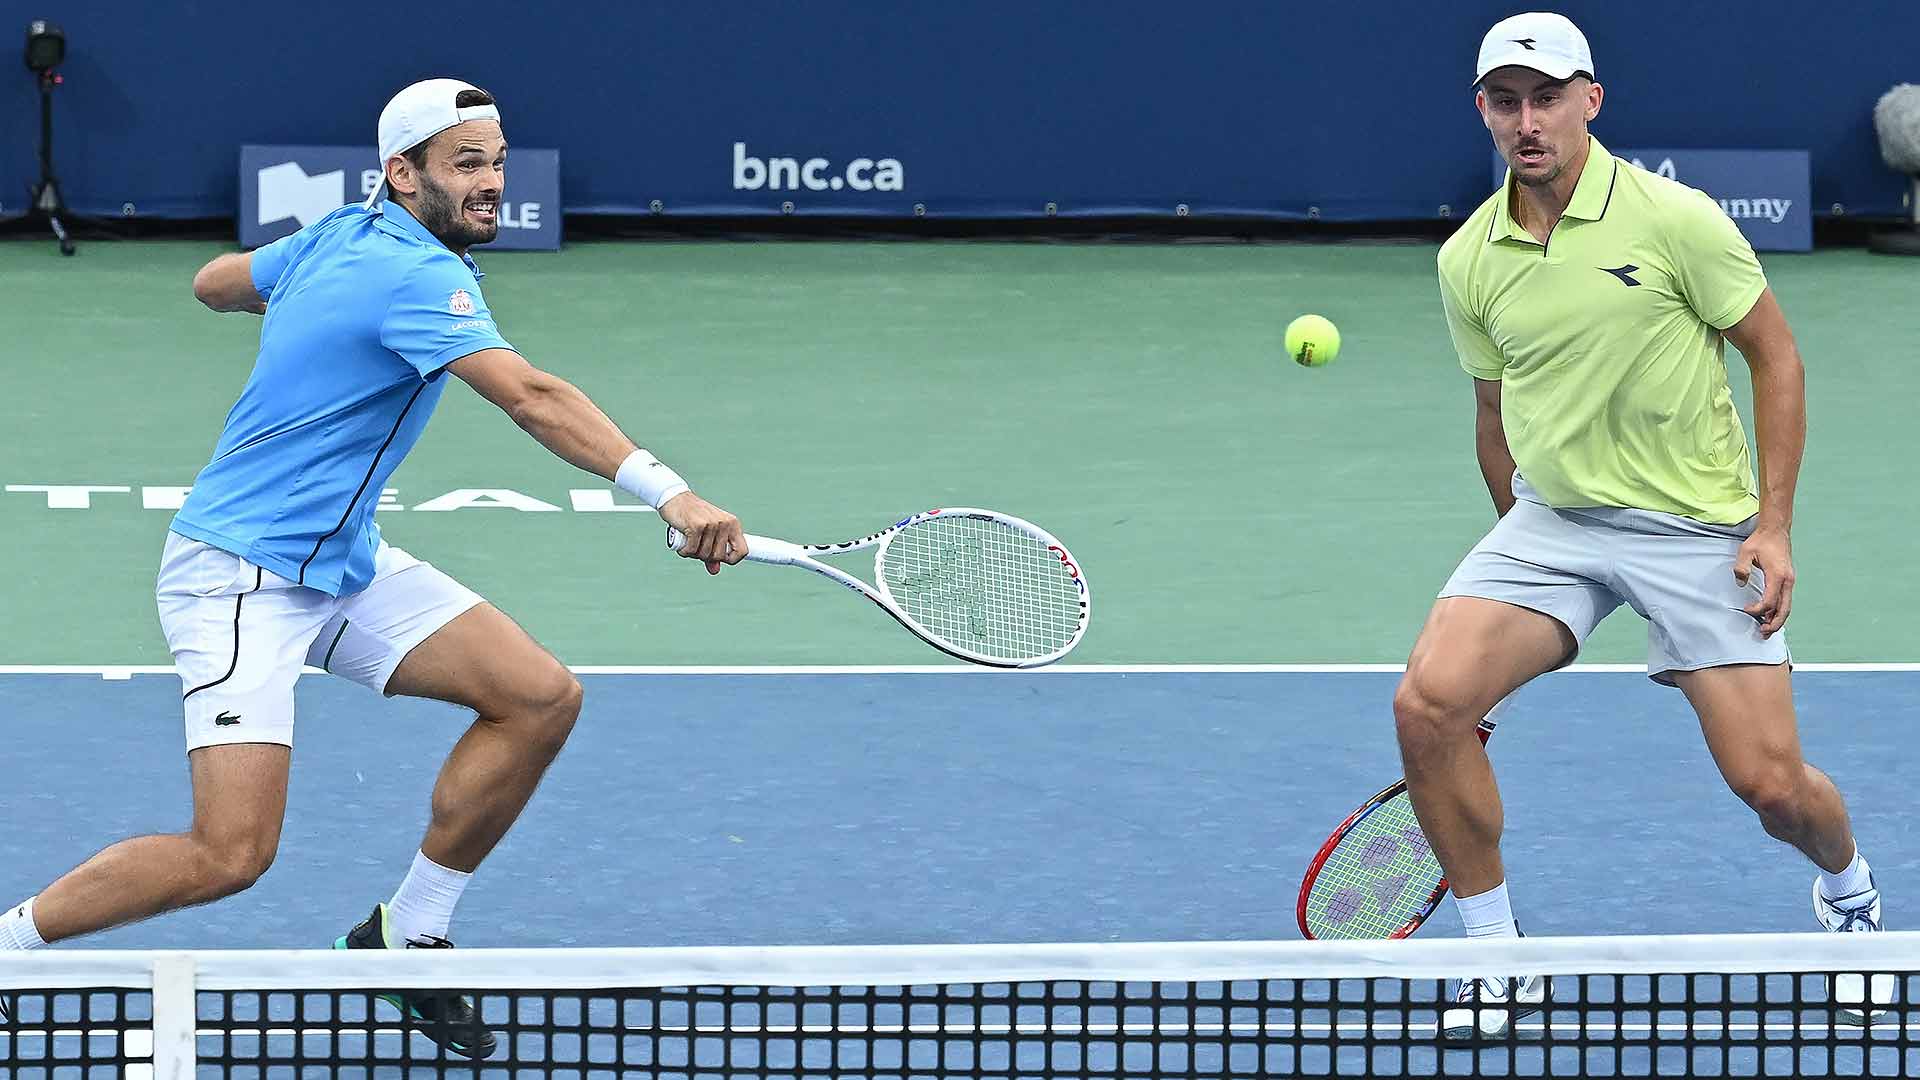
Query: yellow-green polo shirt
x=1606 y=341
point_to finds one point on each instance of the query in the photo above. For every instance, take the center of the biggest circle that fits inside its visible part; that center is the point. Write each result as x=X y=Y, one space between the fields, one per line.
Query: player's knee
x=232 y=866
x=550 y=705
x=564 y=708
x=1774 y=794
x=1423 y=718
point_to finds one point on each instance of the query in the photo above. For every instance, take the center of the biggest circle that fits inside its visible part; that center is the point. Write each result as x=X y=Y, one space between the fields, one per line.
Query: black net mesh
x=1592 y=1025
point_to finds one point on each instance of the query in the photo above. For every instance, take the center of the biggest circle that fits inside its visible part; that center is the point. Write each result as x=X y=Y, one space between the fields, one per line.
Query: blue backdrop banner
x=1765 y=192
x=285 y=187
x=991 y=108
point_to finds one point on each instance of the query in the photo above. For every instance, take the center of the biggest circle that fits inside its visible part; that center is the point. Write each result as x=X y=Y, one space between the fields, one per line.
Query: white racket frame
x=775 y=552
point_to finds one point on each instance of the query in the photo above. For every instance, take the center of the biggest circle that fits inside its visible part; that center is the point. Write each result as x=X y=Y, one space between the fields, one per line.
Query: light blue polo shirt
x=365 y=309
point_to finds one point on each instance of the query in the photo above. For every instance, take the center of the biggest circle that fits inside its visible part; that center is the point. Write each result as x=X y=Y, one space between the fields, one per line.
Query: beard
x=1536 y=178
x=1544 y=179
x=444 y=217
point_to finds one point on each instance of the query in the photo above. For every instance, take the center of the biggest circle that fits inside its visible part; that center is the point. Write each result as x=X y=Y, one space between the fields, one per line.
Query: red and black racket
x=1375 y=877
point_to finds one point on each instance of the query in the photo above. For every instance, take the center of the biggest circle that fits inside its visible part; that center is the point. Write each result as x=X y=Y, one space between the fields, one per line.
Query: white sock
x=17 y=931
x=1487 y=914
x=1854 y=879
x=423 y=907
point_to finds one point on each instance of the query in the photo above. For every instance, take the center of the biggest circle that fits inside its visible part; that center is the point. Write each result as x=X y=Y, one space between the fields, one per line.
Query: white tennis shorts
x=240 y=634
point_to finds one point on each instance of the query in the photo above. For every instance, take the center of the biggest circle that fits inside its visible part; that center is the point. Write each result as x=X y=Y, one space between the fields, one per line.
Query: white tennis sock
x=1854 y=879
x=423 y=907
x=1488 y=914
x=17 y=931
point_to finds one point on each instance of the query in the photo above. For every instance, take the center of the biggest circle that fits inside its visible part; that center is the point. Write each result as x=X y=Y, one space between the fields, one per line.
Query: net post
x=175 y=1017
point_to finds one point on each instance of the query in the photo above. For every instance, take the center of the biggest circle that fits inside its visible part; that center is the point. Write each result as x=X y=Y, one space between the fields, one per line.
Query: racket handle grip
x=760 y=549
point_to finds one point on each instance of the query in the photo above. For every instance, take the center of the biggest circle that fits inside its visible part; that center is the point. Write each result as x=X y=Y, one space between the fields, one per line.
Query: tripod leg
x=60 y=230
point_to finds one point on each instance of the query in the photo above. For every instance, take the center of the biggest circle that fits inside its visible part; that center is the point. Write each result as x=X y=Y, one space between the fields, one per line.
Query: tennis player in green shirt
x=1591 y=302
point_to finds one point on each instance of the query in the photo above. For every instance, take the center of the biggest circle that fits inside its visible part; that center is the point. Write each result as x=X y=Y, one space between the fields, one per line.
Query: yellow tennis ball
x=1313 y=341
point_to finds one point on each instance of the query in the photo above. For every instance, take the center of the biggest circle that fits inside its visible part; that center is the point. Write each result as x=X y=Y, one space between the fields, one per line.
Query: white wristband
x=647 y=477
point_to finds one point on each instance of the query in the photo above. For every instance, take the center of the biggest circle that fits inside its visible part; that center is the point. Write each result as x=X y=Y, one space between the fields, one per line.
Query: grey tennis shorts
x=1578 y=565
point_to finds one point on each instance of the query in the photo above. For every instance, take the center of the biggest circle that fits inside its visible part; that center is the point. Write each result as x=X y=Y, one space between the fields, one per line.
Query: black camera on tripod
x=46 y=50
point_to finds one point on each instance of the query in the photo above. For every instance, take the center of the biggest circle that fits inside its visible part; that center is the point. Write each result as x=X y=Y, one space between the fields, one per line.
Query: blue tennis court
x=877 y=808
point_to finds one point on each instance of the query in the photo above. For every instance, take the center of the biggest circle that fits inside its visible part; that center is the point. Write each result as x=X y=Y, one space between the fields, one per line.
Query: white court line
x=118 y=672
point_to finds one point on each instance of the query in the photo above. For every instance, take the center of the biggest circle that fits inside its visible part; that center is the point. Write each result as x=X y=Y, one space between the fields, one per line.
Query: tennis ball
x=1313 y=341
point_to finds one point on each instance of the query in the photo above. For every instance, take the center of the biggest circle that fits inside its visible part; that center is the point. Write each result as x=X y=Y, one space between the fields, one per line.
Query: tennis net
x=1728 y=1005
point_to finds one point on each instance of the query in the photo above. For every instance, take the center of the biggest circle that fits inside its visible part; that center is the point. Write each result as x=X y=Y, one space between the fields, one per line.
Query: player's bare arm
x=1780 y=423
x=564 y=420
x=1490 y=444
x=226 y=284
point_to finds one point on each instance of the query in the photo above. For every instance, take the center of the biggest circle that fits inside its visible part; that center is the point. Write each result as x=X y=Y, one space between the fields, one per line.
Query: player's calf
x=525 y=718
x=1450 y=783
x=151 y=875
x=1797 y=805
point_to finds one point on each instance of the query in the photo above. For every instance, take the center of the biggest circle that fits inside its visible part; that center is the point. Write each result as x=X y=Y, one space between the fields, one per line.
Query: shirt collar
x=1591 y=195
x=403 y=221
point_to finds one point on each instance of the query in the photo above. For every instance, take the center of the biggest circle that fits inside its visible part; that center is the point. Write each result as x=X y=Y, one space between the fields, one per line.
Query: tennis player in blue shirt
x=275 y=560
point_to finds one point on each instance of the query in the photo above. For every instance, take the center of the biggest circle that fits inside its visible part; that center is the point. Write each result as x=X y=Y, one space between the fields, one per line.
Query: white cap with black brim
x=417 y=114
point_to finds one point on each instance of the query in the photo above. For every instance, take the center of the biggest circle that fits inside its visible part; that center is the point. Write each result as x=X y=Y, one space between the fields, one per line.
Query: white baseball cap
x=417 y=114
x=1542 y=40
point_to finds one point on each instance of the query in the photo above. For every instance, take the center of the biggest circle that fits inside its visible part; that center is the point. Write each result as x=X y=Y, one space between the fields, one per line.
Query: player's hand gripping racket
x=1375 y=877
x=975 y=584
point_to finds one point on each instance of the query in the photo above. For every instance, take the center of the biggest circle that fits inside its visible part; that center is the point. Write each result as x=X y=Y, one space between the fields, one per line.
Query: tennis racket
x=979 y=585
x=1375 y=877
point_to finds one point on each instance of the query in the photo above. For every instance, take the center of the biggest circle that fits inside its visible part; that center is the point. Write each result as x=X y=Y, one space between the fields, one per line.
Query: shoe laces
x=1471 y=990
x=1856 y=917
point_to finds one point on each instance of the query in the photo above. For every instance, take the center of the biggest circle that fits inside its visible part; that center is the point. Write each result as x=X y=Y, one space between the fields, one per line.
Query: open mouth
x=483 y=210
x=1532 y=155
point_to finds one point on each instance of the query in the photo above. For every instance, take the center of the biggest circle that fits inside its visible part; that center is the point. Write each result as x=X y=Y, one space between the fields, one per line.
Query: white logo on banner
x=1665 y=168
x=814 y=174
x=1765 y=208
x=287 y=191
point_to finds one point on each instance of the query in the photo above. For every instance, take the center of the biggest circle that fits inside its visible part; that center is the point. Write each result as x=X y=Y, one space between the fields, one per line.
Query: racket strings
x=983 y=585
x=1378 y=877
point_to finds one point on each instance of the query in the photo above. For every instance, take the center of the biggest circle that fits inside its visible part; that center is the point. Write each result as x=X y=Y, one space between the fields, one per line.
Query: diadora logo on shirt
x=460 y=303
x=286 y=191
x=1624 y=273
